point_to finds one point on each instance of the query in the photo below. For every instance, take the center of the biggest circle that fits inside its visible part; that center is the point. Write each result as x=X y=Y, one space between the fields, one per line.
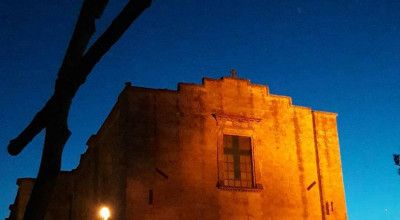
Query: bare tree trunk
x=57 y=135
x=53 y=117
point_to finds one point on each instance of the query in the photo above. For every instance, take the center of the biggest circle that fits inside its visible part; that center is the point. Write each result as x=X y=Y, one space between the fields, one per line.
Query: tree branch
x=73 y=72
x=84 y=29
x=57 y=134
x=103 y=44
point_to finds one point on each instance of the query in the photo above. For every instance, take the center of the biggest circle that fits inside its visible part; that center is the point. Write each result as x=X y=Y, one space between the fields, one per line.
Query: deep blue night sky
x=339 y=56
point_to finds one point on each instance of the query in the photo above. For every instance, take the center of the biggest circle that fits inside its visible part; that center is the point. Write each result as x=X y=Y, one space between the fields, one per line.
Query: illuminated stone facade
x=225 y=149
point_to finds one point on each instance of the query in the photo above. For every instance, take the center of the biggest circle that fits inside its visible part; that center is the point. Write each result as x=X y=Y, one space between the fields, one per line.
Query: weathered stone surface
x=159 y=155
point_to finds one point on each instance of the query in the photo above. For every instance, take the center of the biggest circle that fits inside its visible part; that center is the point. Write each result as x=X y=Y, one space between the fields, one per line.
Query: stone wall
x=177 y=163
x=159 y=155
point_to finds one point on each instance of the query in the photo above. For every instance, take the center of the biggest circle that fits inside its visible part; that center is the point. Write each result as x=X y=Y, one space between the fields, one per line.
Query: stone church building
x=225 y=149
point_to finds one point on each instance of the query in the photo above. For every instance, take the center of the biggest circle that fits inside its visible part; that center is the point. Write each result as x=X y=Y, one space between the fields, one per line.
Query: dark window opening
x=327 y=208
x=237 y=165
x=151 y=197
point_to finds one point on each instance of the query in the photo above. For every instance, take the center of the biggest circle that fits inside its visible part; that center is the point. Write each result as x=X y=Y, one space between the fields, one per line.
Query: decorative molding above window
x=231 y=117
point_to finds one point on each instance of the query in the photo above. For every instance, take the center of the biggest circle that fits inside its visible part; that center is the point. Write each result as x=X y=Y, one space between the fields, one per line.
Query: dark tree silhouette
x=78 y=62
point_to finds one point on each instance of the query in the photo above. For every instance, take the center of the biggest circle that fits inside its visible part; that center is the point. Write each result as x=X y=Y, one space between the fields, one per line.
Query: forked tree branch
x=73 y=72
x=84 y=29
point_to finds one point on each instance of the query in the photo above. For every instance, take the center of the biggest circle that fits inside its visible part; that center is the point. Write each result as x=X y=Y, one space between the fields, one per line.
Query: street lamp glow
x=105 y=213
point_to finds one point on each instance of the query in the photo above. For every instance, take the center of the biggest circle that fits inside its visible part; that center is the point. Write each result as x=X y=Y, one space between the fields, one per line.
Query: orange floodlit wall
x=225 y=149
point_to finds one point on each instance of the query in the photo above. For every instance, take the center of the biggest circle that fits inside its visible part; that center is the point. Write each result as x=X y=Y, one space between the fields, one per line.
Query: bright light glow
x=105 y=213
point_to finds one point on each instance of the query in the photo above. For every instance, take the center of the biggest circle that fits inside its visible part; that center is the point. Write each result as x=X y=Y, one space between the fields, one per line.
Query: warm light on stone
x=222 y=149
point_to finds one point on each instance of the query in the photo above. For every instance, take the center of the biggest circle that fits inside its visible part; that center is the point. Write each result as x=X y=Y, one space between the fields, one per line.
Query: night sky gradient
x=339 y=56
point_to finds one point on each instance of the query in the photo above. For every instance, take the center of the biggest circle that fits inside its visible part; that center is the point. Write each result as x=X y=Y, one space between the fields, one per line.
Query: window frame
x=221 y=166
x=226 y=165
